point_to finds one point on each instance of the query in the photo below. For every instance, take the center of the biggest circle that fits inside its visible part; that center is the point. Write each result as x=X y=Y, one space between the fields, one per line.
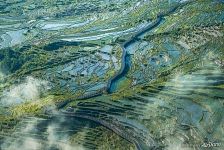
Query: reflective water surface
x=121 y=74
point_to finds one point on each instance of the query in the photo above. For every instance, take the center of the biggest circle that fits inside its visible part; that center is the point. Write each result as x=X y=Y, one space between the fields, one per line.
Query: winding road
x=132 y=139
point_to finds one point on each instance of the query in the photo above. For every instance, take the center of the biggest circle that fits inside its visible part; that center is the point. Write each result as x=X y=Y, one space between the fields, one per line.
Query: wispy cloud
x=52 y=139
x=30 y=90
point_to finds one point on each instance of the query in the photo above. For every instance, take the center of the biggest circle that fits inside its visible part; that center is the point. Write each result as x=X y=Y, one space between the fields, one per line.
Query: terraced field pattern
x=111 y=74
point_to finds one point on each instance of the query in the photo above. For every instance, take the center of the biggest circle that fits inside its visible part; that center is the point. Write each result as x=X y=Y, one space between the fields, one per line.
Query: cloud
x=186 y=104
x=27 y=142
x=30 y=90
x=177 y=145
x=53 y=139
